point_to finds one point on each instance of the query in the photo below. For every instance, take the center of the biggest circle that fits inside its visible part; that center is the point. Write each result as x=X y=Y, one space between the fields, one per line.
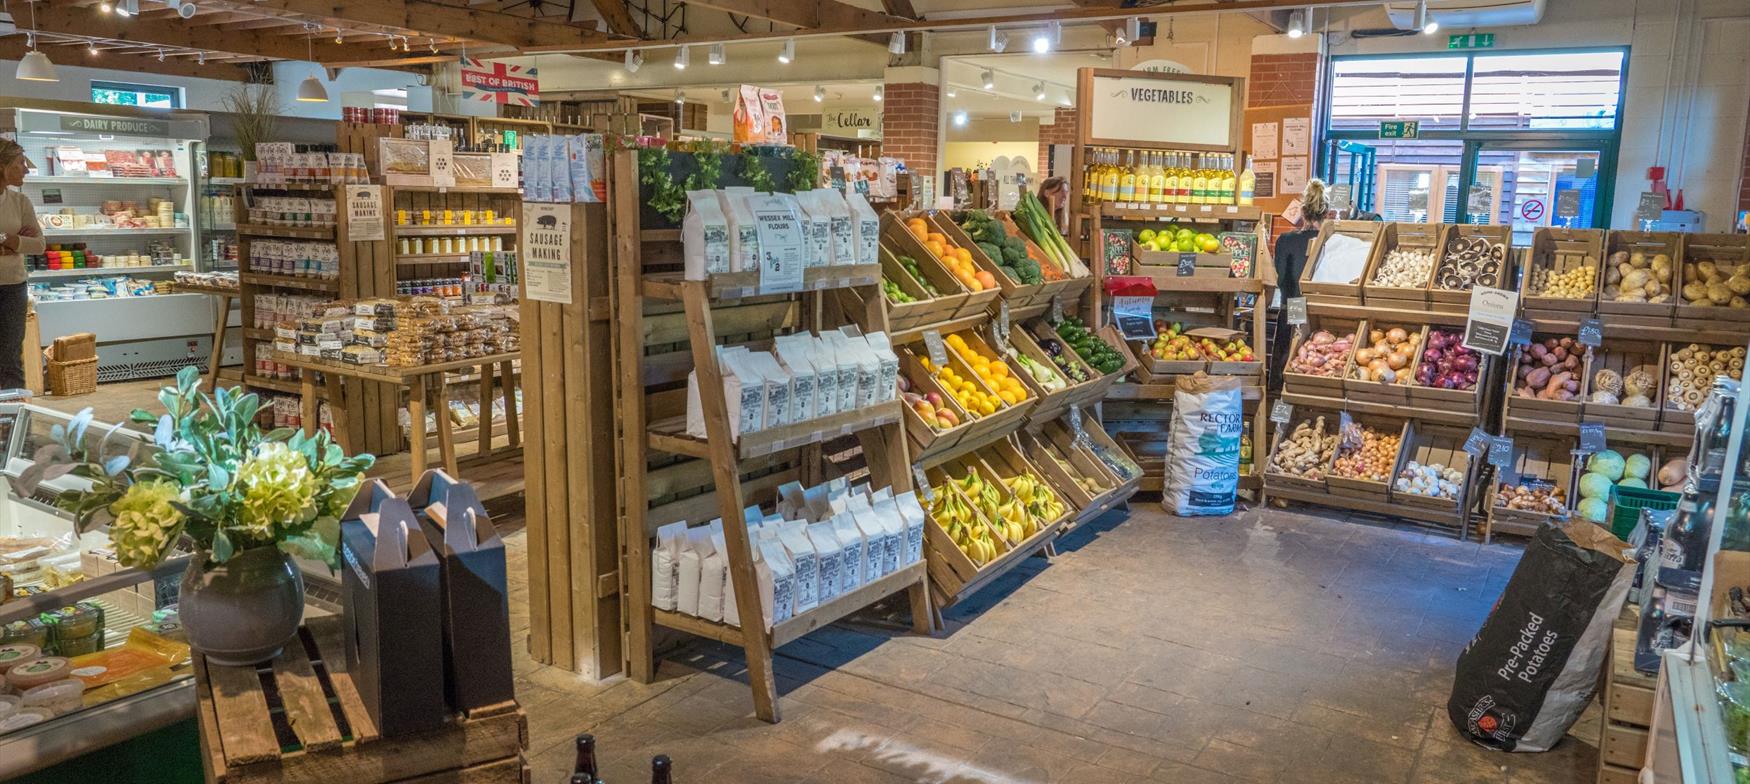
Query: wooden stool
x=299 y=718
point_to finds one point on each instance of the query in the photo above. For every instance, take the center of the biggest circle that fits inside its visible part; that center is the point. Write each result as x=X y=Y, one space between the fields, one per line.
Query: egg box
x=1470 y=255
x=1348 y=293
x=1648 y=244
x=1402 y=236
x=1557 y=252
x=1726 y=252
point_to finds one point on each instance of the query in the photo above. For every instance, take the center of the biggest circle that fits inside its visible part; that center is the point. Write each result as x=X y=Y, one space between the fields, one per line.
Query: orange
x=1008 y=397
x=986 y=279
x=937 y=237
x=963 y=254
x=918 y=226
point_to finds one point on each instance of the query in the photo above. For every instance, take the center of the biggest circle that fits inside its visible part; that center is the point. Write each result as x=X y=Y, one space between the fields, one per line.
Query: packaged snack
x=36 y=672
x=55 y=698
x=748 y=120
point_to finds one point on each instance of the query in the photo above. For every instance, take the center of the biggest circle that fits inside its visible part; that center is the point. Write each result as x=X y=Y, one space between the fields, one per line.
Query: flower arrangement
x=214 y=478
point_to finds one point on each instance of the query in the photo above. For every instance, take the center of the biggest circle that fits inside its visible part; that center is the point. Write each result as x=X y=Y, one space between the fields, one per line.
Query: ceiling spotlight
x=960 y=119
x=996 y=40
x=91 y=48
x=1014 y=116
x=432 y=42
x=819 y=94
x=1051 y=36
x=988 y=79
x=634 y=60
x=106 y=8
x=880 y=91
x=1296 y=24
x=896 y=43
x=680 y=98
x=1133 y=29
x=201 y=58
x=1039 y=91
x=717 y=55
x=682 y=58
x=787 y=52
x=338 y=37
x=1424 y=20
x=127 y=7
x=953 y=93
x=160 y=55
x=184 y=10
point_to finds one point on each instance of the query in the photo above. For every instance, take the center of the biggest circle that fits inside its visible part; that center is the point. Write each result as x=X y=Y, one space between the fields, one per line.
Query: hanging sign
x=1166 y=110
x=1489 y=327
x=1134 y=317
x=546 y=252
x=364 y=213
x=1471 y=41
x=1400 y=129
x=496 y=82
x=863 y=122
x=1296 y=310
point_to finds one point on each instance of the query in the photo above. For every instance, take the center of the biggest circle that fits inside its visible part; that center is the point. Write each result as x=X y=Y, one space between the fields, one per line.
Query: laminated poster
x=1293 y=174
x=781 y=245
x=1265 y=187
x=546 y=252
x=364 y=213
x=1296 y=136
x=1264 y=140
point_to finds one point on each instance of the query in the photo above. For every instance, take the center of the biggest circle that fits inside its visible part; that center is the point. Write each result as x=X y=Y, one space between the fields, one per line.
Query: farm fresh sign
x=1168 y=111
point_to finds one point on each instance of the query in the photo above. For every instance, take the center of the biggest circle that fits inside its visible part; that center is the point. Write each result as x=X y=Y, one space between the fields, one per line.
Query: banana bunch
x=1040 y=502
x=961 y=522
x=984 y=495
x=1014 y=522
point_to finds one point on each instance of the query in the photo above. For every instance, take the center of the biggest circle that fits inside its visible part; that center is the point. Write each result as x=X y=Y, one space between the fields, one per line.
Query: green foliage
x=709 y=174
x=805 y=175
x=668 y=197
x=753 y=169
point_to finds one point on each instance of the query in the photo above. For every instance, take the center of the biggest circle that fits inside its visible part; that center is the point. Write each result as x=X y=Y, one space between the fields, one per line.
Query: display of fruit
x=1405 y=268
x=894 y=293
x=1322 y=354
x=1605 y=470
x=1088 y=484
x=1434 y=480
x=1048 y=379
x=1579 y=282
x=990 y=368
x=911 y=267
x=1175 y=238
x=1172 y=344
x=958 y=260
x=960 y=520
x=1615 y=389
x=975 y=401
x=1071 y=369
x=1305 y=451
x=1007 y=251
x=1447 y=364
x=1387 y=356
x=1716 y=283
x=1540 y=497
x=1036 y=498
x=1094 y=351
x=929 y=406
x=1470 y=261
x=1638 y=277
x=1692 y=370
x=1366 y=453
x=1549 y=370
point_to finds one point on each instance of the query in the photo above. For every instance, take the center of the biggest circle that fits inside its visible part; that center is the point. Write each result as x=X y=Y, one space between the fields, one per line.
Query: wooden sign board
x=1170 y=111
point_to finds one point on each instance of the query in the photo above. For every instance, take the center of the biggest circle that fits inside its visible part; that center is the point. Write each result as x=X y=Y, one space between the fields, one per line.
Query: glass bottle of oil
x=1157 y=179
x=1109 y=178
x=1126 y=180
x=1185 y=177
x=1091 y=175
x=1248 y=185
x=1229 y=180
x=1200 y=182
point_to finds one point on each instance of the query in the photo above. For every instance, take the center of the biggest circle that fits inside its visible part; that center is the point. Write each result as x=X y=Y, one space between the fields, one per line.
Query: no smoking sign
x=1532 y=210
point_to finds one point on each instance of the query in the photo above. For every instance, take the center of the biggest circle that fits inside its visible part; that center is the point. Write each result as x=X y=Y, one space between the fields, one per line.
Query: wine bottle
x=660 y=769
x=586 y=768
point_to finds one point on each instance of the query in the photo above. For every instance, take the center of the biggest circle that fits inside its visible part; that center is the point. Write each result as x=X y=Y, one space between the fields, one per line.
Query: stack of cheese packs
x=804 y=377
x=729 y=230
x=821 y=543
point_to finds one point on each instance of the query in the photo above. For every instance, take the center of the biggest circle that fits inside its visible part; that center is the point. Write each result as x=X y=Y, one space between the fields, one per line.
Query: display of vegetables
x=1434 y=480
x=1549 y=370
x=1693 y=369
x=1578 y=282
x=894 y=293
x=1042 y=374
x=1672 y=474
x=1533 y=496
x=911 y=267
x=1101 y=357
x=1605 y=470
x=1616 y=389
x=1638 y=277
x=1366 y=453
x=1716 y=284
x=1322 y=354
x=1446 y=363
x=1387 y=356
x=1470 y=261
x=1305 y=451
x=1405 y=268
x=1034 y=220
x=1072 y=370
x=1008 y=252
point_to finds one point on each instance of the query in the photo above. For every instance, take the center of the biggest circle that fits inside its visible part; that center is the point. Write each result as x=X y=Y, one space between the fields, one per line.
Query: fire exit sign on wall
x=1400 y=129
x=1471 y=41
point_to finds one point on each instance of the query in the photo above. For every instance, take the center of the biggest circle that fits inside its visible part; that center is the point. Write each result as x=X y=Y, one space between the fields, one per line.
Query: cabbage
x=1608 y=462
x=1593 y=509
x=1638 y=467
x=1629 y=481
x=1594 y=485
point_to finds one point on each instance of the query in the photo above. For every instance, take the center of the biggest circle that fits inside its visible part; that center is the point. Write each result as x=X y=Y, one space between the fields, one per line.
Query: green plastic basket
x=1626 y=504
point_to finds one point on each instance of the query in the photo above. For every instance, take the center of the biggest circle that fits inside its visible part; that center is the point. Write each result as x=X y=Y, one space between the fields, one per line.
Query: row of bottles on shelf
x=483 y=140
x=1157 y=177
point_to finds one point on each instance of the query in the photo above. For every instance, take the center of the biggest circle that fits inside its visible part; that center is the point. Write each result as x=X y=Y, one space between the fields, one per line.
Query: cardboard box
x=474 y=596
x=390 y=590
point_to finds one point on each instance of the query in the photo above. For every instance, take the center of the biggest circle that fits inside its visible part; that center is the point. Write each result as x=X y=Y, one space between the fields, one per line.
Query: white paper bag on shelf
x=865 y=228
x=792 y=499
x=831 y=553
x=845 y=365
x=913 y=512
x=826 y=384
x=711 y=571
x=816 y=228
x=794 y=535
x=838 y=495
x=817 y=504
x=794 y=354
x=704 y=236
x=856 y=566
x=688 y=571
x=780 y=392
x=895 y=548
x=665 y=564
x=731 y=611
x=844 y=238
x=744 y=233
x=876 y=538
x=780 y=601
x=867 y=364
x=887 y=386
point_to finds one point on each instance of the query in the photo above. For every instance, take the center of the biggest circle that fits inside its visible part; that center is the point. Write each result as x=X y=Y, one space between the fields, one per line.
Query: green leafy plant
x=215 y=480
x=669 y=198
x=805 y=175
x=753 y=169
x=708 y=157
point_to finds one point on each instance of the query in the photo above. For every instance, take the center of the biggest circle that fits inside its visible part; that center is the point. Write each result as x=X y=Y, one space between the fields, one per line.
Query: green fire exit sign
x=1400 y=129
x=1471 y=41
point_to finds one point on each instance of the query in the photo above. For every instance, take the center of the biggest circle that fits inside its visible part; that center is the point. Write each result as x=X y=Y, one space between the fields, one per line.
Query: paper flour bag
x=704 y=236
x=856 y=567
x=731 y=612
x=665 y=565
x=894 y=547
x=831 y=553
x=794 y=354
x=711 y=571
x=794 y=535
x=913 y=514
x=687 y=572
x=865 y=229
x=781 y=602
x=744 y=232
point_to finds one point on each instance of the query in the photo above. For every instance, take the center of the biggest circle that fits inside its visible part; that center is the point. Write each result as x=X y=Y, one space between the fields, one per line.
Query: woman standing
x=1290 y=255
x=20 y=235
x=1054 y=191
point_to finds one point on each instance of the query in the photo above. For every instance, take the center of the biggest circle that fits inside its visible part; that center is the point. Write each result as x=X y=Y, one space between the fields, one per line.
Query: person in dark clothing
x=1290 y=252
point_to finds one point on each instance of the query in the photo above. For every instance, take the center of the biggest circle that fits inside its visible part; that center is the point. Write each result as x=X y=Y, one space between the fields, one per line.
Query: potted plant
x=242 y=499
x=255 y=108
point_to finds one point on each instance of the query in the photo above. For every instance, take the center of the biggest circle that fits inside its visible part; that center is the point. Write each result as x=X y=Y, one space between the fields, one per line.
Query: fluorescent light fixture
x=960 y=119
x=312 y=91
x=819 y=94
x=682 y=58
x=880 y=92
x=996 y=40
x=988 y=79
x=634 y=61
x=391 y=92
x=1039 y=91
x=1296 y=24
x=787 y=52
x=717 y=55
x=1424 y=20
x=127 y=7
x=896 y=43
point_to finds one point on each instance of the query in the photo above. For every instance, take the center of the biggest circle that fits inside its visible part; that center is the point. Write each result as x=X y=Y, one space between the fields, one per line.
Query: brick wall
x=910 y=125
x=1061 y=131
x=1282 y=79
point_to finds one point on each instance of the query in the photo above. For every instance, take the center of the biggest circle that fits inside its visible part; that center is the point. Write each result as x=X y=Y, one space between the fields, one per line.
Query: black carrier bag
x=1533 y=666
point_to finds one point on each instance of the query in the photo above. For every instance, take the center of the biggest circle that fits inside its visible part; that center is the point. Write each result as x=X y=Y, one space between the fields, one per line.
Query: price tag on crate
x=1591 y=332
x=1296 y=311
x=1591 y=437
x=1056 y=308
x=1281 y=411
x=923 y=485
x=1477 y=442
x=1521 y=335
x=1501 y=451
x=1000 y=330
x=1187 y=265
x=1075 y=426
x=938 y=350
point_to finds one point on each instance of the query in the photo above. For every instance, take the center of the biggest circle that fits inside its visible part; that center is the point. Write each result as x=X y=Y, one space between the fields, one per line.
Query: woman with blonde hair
x=20 y=235
x=1290 y=254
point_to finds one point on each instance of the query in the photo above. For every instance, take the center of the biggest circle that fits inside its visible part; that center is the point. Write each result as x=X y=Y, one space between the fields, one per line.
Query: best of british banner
x=491 y=82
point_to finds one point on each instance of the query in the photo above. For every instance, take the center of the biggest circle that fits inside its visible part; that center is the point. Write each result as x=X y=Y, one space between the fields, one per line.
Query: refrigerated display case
x=117 y=192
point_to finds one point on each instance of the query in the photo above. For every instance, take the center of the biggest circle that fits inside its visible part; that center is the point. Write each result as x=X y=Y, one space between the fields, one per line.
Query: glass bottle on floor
x=586 y=771
x=660 y=769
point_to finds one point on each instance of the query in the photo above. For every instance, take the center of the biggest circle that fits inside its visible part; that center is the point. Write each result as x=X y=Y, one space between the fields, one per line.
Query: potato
x=1707 y=269
x=1739 y=302
x=1719 y=293
x=1635 y=281
x=1695 y=291
x=1638 y=260
x=1662 y=274
x=1739 y=284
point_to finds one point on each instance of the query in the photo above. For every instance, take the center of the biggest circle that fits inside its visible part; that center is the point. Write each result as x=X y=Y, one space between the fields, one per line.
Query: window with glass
x=1517 y=138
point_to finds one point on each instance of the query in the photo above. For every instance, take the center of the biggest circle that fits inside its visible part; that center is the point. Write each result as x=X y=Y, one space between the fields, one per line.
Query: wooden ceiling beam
x=618 y=17
x=13 y=48
x=428 y=18
x=84 y=23
x=807 y=14
x=900 y=8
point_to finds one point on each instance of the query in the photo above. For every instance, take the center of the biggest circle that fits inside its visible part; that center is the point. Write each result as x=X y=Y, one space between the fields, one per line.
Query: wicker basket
x=72 y=364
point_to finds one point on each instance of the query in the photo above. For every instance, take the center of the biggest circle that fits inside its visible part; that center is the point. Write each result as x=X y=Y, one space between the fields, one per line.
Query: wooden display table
x=423 y=383
x=299 y=718
x=221 y=324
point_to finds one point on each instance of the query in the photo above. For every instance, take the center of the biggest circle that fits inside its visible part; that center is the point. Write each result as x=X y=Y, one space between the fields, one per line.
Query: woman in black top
x=1290 y=253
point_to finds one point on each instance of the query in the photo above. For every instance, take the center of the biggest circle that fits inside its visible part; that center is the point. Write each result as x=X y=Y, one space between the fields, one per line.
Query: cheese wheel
x=36 y=672
x=17 y=653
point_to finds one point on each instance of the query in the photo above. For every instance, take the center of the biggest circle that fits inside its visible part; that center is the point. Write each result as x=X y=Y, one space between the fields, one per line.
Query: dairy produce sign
x=1168 y=111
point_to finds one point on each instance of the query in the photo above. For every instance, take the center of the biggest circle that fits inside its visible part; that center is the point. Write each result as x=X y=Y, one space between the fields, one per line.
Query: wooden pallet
x=1628 y=706
x=299 y=718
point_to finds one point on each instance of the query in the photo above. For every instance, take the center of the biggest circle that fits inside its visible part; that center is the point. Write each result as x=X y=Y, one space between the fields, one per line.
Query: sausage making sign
x=1167 y=111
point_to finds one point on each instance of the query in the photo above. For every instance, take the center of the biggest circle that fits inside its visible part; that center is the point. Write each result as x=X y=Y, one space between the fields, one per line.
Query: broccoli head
x=1014 y=254
x=1027 y=271
x=991 y=250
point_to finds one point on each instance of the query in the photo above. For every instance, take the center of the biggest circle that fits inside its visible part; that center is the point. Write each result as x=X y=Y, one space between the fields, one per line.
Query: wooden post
x=632 y=456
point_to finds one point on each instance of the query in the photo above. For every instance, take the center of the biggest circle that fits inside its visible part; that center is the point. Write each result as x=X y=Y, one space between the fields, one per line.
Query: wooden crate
x=1405 y=236
x=1078 y=393
x=1068 y=286
x=1057 y=433
x=1645 y=314
x=1555 y=251
x=1006 y=460
x=929 y=440
x=1050 y=405
x=927 y=309
x=1682 y=420
x=1731 y=251
x=1339 y=293
x=362 y=138
x=1538 y=455
x=1094 y=389
x=956 y=568
x=1061 y=468
x=1431 y=444
x=1441 y=399
x=1629 y=697
x=1362 y=488
x=1396 y=393
x=1457 y=300
x=1275 y=479
x=895 y=235
x=1018 y=294
x=1097 y=436
x=1622 y=356
x=1307 y=383
x=1563 y=412
x=299 y=718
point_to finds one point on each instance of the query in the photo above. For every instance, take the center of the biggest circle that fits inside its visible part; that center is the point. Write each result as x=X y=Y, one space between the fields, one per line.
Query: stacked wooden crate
x=1628 y=707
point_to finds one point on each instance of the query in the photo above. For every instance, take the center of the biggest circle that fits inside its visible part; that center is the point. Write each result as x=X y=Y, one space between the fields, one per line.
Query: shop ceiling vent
x=1460 y=14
